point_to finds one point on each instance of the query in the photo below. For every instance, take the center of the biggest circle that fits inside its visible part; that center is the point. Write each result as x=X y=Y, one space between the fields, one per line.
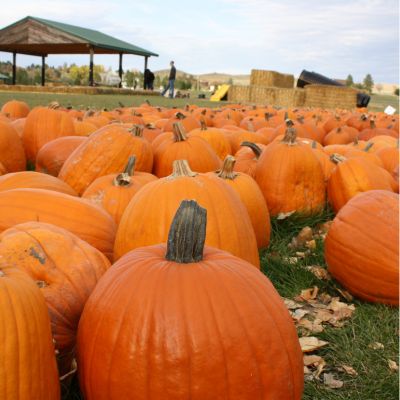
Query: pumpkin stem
x=179 y=132
x=337 y=158
x=290 y=136
x=180 y=115
x=314 y=144
x=368 y=146
x=54 y=105
x=2 y=273
x=124 y=178
x=289 y=123
x=137 y=130
x=372 y=124
x=203 y=125
x=355 y=141
x=187 y=233
x=226 y=171
x=181 y=168
x=256 y=150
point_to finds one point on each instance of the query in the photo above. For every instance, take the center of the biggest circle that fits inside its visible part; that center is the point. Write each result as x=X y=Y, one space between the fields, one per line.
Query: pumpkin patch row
x=148 y=290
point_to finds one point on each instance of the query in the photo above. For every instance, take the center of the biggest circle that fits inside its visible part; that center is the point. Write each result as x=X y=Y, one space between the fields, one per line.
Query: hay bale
x=279 y=97
x=239 y=94
x=261 y=77
x=330 y=97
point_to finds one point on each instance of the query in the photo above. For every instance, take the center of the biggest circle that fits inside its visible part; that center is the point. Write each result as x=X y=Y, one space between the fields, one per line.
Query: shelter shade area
x=41 y=37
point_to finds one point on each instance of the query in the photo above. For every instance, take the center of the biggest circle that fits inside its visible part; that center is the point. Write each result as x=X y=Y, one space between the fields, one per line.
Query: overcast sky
x=334 y=37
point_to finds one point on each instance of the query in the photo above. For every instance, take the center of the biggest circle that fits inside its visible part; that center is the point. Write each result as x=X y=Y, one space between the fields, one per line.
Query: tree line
x=367 y=84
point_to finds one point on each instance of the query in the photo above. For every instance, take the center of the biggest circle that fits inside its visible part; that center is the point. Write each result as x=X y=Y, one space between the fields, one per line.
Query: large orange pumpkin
x=87 y=221
x=291 y=177
x=105 y=152
x=15 y=109
x=251 y=196
x=66 y=281
x=113 y=192
x=361 y=248
x=28 y=367
x=12 y=154
x=42 y=125
x=179 y=322
x=147 y=218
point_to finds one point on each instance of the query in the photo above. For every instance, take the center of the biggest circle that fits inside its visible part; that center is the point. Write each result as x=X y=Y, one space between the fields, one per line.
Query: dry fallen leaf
x=346 y=295
x=311 y=359
x=311 y=244
x=291 y=304
x=305 y=235
x=341 y=310
x=298 y=314
x=349 y=370
x=313 y=326
x=324 y=228
x=376 y=346
x=319 y=272
x=285 y=215
x=331 y=382
x=307 y=294
x=290 y=260
x=310 y=343
x=300 y=254
x=393 y=365
x=307 y=371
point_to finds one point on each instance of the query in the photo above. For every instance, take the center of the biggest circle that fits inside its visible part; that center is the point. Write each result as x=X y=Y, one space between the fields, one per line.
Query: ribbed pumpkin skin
x=28 y=366
x=354 y=176
x=76 y=215
x=361 y=248
x=12 y=154
x=195 y=149
x=15 y=109
x=105 y=152
x=216 y=329
x=34 y=180
x=40 y=250
x=43 y=125
x=114 y=199
x=291 y=178
x=52 y=155
x=147 y=218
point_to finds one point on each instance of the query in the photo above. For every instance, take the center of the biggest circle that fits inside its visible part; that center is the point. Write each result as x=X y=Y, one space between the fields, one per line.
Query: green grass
x=99 y=101
x=380 y=101
x=349 y=344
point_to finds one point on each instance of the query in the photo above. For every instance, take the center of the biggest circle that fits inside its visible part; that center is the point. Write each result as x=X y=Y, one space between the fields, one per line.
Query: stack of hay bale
x=274 y=88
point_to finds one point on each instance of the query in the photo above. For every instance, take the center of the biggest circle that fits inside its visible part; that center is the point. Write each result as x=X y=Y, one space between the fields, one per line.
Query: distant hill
x=211 y=78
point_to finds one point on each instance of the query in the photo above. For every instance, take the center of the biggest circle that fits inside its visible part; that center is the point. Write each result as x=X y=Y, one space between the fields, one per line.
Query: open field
x=378 y=102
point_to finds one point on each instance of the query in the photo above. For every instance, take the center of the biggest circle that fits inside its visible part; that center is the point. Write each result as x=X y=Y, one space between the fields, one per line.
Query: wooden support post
x=146 y=58
x=14 y=68
x=120 y=69
x=43 y=70
x=91 y=74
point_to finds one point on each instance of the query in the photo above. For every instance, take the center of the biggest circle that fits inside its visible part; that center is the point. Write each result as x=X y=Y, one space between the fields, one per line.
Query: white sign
x=389 y=110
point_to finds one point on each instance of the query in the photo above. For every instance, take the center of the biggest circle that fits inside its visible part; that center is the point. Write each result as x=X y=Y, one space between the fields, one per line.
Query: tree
x=368 y=83
x=349 y=80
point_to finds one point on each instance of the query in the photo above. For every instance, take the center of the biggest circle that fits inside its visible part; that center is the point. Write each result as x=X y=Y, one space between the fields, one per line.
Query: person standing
x=171 y=81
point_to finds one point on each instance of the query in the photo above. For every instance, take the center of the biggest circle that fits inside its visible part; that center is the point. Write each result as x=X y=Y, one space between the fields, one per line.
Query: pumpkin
x=18 y=125
x=195 y=149
x=251 y=196
x=352 y=176
x=196 y=322
x=247 y=157
x=326 y=164
x=105 y=152
x=340 y=135
x=52 y=155
x=28 y=367
x=40 y=250
x=291 y=177
x=12 y=154
x=76 y=215
x=43 y=125
x=361 y=248
x=389 y=157
x=188 y=122
x=34 y=180
x=229 y=227
x=84 y=128
x=113 y=192
x=15 y=109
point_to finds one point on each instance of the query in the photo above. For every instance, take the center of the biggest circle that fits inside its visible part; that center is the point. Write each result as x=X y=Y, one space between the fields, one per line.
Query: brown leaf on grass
x=285 y=215
x=300 y=240
x=324 y=228
x=349 y=370
x=311 y=244
x=306 y=370
x=310 y=343
x=298 y=314
x=291 y=304
x=319 y=272
x=325 y=298
x=330 y=381
x=346 y=295
x=307 y=294
x=376 y=346
x=312 y=326
x=323 y=315
x=393 y=365
x=312 y=361
x=341 y=310
x=290 y=260
x=301 y=254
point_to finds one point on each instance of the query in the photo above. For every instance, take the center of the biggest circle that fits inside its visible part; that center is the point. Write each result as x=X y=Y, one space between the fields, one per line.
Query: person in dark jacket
x=148 y=80
x=171 y=81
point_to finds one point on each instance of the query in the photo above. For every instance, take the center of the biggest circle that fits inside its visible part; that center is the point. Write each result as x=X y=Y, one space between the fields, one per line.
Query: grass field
x=378 y=102
x=348 y=345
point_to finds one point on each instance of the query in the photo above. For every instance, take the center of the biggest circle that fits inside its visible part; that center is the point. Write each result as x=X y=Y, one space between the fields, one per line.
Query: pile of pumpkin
x=184 y=311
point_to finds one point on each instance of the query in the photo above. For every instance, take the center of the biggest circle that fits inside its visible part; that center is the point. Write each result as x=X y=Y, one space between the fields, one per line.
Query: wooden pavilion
x=41 y=37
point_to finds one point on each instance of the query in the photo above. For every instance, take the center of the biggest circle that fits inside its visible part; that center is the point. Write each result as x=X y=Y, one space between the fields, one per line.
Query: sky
x=334 y=38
